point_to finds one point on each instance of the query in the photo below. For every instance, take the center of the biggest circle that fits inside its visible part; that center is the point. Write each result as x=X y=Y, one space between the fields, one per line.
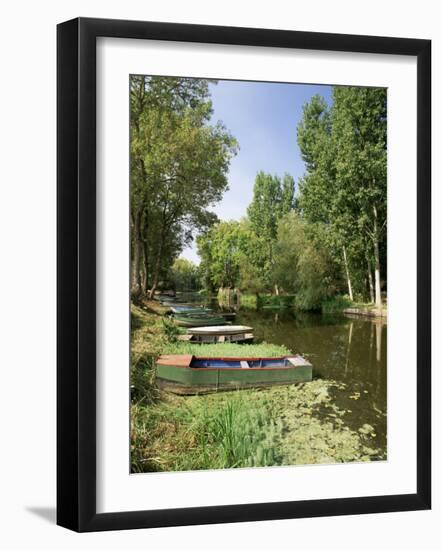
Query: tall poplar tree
x=360 y=147
x=344 y=186
x=272 y=198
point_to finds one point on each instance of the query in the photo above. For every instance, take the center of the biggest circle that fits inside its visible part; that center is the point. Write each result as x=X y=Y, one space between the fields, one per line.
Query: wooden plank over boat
x=189 y=374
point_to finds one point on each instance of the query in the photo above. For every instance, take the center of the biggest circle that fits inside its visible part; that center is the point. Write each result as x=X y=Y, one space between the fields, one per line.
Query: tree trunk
x=156 y=273
x=145 y=234
x=276 y=290
x=136 y=286
x=377 y=263
x=370 y=280
x=146 y=266
x=347 y=274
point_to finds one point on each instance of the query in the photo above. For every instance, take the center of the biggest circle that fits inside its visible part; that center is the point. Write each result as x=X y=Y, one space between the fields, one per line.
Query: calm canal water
x=349 y=350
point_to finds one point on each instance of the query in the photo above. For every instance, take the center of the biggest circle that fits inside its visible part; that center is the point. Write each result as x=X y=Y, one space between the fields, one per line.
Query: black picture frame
x=76 y=274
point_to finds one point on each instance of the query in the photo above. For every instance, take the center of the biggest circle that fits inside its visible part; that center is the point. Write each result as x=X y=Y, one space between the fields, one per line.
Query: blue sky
x=263 y=118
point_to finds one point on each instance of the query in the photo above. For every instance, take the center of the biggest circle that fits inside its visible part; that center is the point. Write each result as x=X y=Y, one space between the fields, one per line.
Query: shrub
x=336 y=304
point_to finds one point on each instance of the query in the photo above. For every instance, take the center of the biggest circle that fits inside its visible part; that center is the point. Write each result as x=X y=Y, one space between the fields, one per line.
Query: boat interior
x=210 y=363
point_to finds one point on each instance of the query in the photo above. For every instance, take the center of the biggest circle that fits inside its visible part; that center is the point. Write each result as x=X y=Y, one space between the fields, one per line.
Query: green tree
x=185 y=275
x=221 y=250
x=344 y=186
x=318 y=186
x=360 y=145
x=271 y=200
x=303 y=265
x=179 y=165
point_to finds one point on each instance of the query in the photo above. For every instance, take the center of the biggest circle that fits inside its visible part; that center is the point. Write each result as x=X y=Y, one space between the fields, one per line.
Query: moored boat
x=189 y=374
x=198 y=320
x=165 y=299
x=228 y=314
x=218 y=334
x=186 y=309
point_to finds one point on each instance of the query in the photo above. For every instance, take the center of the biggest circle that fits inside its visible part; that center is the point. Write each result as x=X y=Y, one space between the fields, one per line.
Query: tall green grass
x=142 y=381
x=208 y=432
x=241 y=434
x=283 y=425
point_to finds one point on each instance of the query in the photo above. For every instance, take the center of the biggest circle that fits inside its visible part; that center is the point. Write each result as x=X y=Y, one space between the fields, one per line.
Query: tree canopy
x=179 y=165
x=344 y=185
x=324 y=237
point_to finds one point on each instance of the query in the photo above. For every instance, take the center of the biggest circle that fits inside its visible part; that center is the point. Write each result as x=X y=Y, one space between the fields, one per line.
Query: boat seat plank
x=298 y=361
x=177 y=360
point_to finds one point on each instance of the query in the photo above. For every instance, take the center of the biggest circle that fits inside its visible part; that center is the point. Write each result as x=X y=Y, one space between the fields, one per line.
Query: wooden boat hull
x=188 y=310
x=183 y=374
x=200 y=321
x=224 y=329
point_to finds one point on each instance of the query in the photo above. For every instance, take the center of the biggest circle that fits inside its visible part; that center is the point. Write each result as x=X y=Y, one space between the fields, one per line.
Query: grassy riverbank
x=281 y=425
x=335 y=304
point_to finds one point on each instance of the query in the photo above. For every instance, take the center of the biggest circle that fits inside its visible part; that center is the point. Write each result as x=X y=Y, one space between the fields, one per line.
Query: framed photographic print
x=243 y=274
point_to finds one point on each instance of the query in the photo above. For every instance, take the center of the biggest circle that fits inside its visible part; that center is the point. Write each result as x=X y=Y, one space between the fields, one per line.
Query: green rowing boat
x=187 y=374
x=198 y=320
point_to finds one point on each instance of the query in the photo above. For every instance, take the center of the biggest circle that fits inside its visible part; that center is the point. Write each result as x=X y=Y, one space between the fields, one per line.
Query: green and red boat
x=189 y=374
x=198 y=319
x=186 y=309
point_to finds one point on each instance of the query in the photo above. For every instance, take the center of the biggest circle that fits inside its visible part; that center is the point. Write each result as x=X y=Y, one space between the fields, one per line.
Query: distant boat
x=186 y=309
x=228 y=314
x=161 y=294
x=218 y=334
x=189 y=309
x=187 y=374
x=165 y=298
x=198 y=320
x=167 y=302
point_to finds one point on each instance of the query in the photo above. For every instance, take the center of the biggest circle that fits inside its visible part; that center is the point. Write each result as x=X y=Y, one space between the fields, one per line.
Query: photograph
x=258 y=274
x=219 y=210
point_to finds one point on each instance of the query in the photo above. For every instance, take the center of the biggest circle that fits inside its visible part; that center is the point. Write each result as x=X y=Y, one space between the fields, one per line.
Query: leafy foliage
x=344 y=187
x=303 y=265
x=185 y=275
x=179 y=164
x=272 y=198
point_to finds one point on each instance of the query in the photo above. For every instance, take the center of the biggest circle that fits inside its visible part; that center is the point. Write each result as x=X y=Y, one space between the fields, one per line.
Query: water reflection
x=348 y=349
